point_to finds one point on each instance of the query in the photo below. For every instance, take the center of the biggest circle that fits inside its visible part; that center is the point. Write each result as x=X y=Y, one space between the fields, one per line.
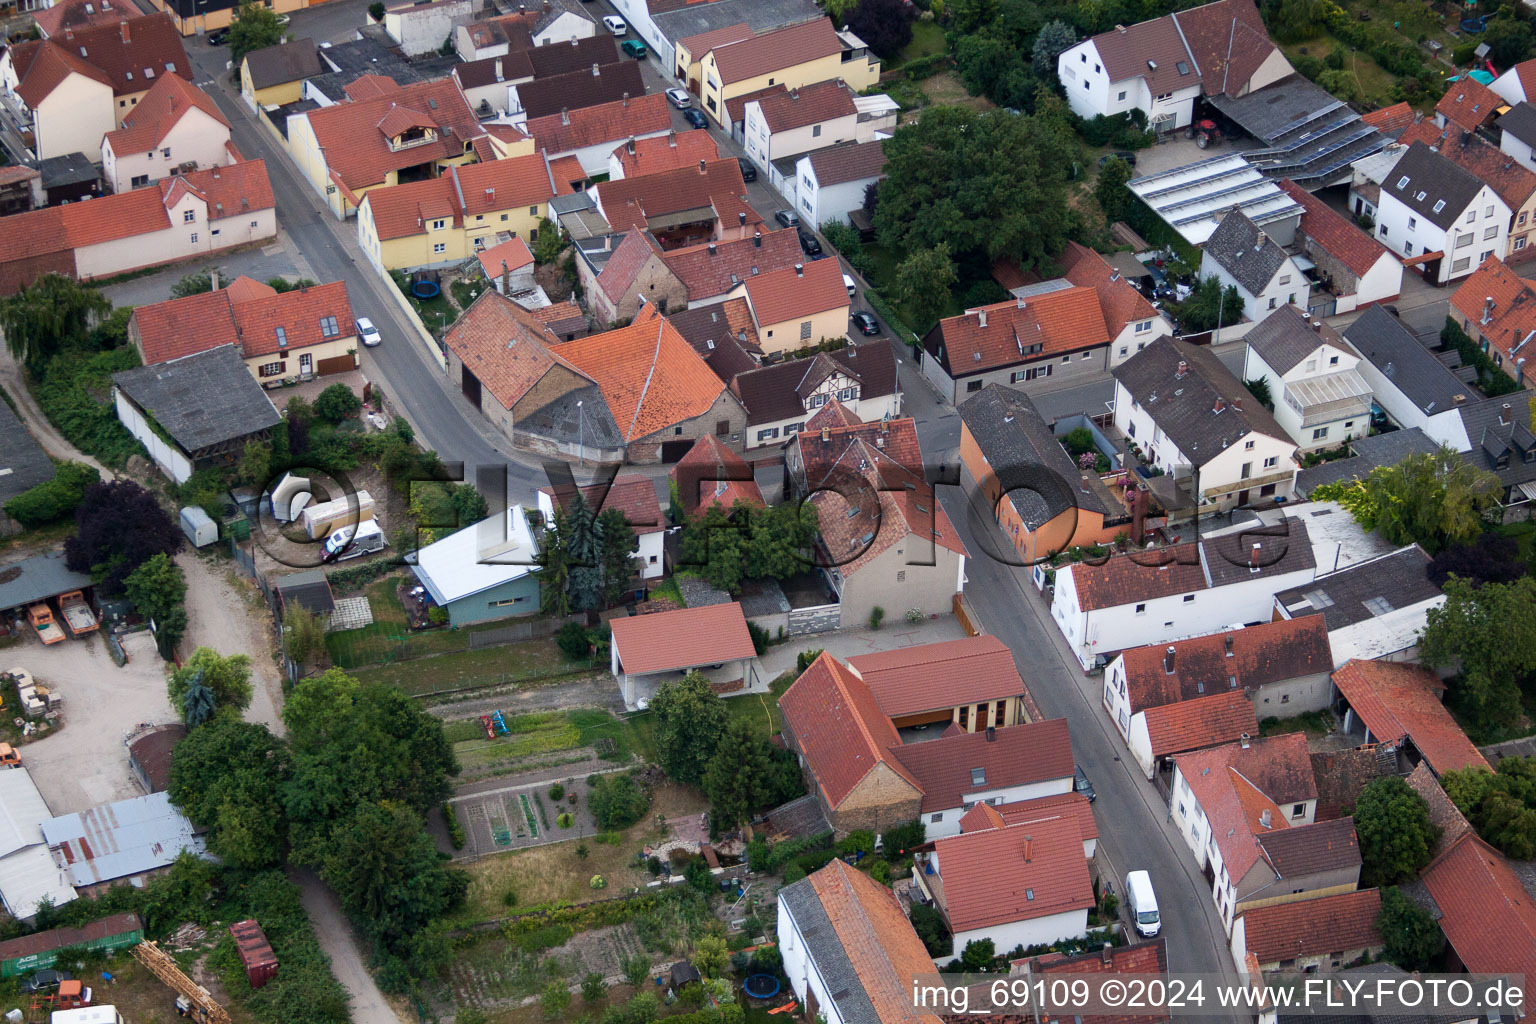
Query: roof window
x=282 y=337
x=1402 y=183
x=1439 y=205
x=978 y=776
x=1183 y=67
x=1377 y=605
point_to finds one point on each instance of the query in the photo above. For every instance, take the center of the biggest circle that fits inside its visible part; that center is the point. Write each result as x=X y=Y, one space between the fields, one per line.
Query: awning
x=1423 y=257
x=1329 y=397
x=1528 y=489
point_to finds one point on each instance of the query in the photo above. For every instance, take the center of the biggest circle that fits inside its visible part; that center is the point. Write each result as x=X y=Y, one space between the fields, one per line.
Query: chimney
x=1182 y=370
x=546 y=6
x=1503 y=412
x=981 y=318
x=1228 y=644
x=991 y=734
x=1264 y=818
x=506 y=278
x=757 y=239
x=1487 y=309
x=626 y=101
x=597 y=71
x=1168 y=660
x=1221 y=404
x=565 y=115
x=799 y=269
x=1246 y=740
x=1253 y=555
x=1106 y=956
x=1258 y=243
x=630 y=145
x=124 y=26
x=741 y=219
x=1029 y=848
x=1237 y=404
x=1020 y=304
x=213 y=286
x=498 y=69
x=703 y=167
x=826 y=435
x=711 y=248
x=672 y=139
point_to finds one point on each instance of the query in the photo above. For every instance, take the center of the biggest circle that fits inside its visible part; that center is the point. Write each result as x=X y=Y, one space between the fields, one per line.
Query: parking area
x=277 y=259
x=85 y=763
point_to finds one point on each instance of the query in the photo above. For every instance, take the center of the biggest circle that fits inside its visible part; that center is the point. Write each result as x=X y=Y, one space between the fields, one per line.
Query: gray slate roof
x=1028 y=461
x=201 y=400
x=1520 y=122
x=1437 y=179
x=1502 y=427
x=36 y=578
x=1284 y=547
x=1185 y=407
x=23 y=463
x=1400 y=580
x=759 y=15
x=1370 y=452
x=1381 y=339
x=826 y=951
x=286 y=62
x=1247 y=253
x=1286 y=337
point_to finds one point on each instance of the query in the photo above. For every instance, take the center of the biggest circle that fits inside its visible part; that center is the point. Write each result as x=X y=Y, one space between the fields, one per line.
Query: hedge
x=76 y=396
x=1490 y=378
x=579 y=917
x=903 y=333
x=765 y=856
x=54 y=499
x=355 y=577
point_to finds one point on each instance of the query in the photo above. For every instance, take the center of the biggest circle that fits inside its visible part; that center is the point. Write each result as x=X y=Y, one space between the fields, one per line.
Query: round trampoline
x=761 y=986
x=426 y=289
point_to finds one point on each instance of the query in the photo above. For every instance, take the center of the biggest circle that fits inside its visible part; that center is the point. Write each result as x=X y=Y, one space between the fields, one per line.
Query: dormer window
x=1502 y=462
x=329 y=328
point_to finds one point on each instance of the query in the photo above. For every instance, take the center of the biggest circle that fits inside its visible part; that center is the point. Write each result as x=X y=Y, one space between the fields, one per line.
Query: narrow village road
x=12 y=377
x=340 y=944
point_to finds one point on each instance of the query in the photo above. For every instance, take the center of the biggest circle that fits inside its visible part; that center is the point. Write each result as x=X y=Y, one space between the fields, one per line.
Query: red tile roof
x=736 y=108
x=711 y=472
x=1485 y=912
x=1124 y=578
x=907 y=680
x=798 y=108
x=1017 y=755
x=1145 y=958
x=606 y=122
x=1513 y=316
x=1391 y=119
x=1006 y=333
x=635 y=496
x=72 y=14
x=567 y=173
x=774 y=51
x=629 y=202
x=301 y=314
x=1327 y=924
x=357 y=147
x=1262 y=654
x=790 y=294
x=635 y=249
x=827 y=437
x=562 y=317
x=681 y=638
x=161 y=109
x=649 y=376
x=515 y=254
x=1002 y=875
x=1024 y=812
x=181 y=327
x=1468 y=103
x=1513 y=183
x=1398 y=701
x=400 y=211
x=839 y=730
x=1235 y=785
x=505 y=347
x=1121 y=302
x=128 y=54
x=1334 y=233
x=1525 y=71
x=700 y=44
x=639 y=157
x=707 y=274
x=1201 y=722
x=49 y=66
x=1228 y=42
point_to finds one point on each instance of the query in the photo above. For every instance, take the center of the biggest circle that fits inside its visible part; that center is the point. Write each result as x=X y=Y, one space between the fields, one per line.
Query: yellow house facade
x=797 y=307
x=793 y=57
x=193 y=16
x=273 y=95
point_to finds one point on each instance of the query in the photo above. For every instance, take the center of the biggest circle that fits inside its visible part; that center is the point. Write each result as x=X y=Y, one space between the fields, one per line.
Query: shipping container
x=255 y=952
x=41 y=949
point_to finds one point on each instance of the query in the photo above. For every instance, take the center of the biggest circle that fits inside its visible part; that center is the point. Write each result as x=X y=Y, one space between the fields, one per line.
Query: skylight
x=978 y=776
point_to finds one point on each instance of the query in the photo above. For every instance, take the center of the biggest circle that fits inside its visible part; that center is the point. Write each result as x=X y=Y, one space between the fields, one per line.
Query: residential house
x=483 y=572
x=1375 y=609
x=635 y=497
x=1352 y=269
x=1131 y=321
x=794 y=57
x=982 y=688
x=723 y=333
x=1502 y=444
x=1514 y=184
x=1246 y=811
x=201 y=16
x=1439 y=217
x=832 y=182
x=1517 y=134
x=282 y=337
x=649 y=650
x=689 y=51
x=1366 y=453
x=781 y=398
x=1194 y=420
x=1325 y=933
x=587 y=87
x=1467 y=105
x=849 y=952
x=591 y=133
x=712 y=474
x=126 y=842
x=1401 y=705
x=1161 y=67
x=1197 y=587
x=385 y=134
x=1043 y=808
x=786 y=122
x=1281 y=668
x=1042 y=501
x=1470 y=885
x=80 y=85
x=274 y=76
x=508 y=266
x=1496 y=307
x=485 y=80
x=1159 y=736
x=554 y=21
x=178 y=219
x=1025 y=885
x=683 y=207
x=177 y=128
x=1517 y=84
x=420 y=28
x=710 y=271
x=1320 y=398
x=185 y=436
x=797 y=307
x=634 y=274
x=673 y=28
x=78 y=14
x=1241 y=255
x=885 y=539
x=21 y=190
x=1411 y=385
x=443 y=221
x=1144 y=958
x=639 y=157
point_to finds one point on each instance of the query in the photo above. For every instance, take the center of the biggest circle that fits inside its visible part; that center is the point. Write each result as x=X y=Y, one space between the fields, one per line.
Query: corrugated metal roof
x=27 y=871
x=120 y=839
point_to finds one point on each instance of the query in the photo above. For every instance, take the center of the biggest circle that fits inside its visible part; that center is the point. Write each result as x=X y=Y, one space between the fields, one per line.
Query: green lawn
x=463 y=669
x=1313 y=723
x=927 y=39
x=353 y=648
x=434 y=312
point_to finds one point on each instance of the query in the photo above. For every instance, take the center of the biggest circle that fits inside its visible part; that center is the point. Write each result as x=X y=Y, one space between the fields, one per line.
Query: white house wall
x=1090 y=93
x=1037 y=931
x=170 y=459
x=940 y=824
x=179 y=241
x=1399 y=228
x=804 y=977
x=1288 y=286
x=1443 y=426
x=196 y=138
x=1519 y=150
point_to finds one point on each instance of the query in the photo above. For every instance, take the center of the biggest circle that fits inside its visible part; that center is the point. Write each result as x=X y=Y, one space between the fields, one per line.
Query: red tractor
x=1205 y=133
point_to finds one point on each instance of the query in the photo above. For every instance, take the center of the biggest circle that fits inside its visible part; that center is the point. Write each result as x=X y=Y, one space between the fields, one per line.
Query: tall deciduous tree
x=255 y=28
x=118 y=527
x=923 y=281
x=1395 y=832
x=1208 y=307
x=41 y=320
x=1430 y=498
x=227 y=776
x=886 y=25
x=156 y=587
x=1490 y=632
x=1491 y=558
x=1410 y=937
x=1114 y=198
x=1502 y=806
x=690 y=719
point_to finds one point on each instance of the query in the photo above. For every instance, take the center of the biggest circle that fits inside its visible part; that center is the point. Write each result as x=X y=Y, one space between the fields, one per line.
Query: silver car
x=367 y=333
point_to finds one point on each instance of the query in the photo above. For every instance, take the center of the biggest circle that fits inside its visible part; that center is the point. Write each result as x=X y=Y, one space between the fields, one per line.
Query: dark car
x=787 y=218
x=810 y=244
x=1081 y=784
x=1122 y=154
x=45 y=981
x=217 y=37
x=695 y=117
x=865 y=323
x=748 y=169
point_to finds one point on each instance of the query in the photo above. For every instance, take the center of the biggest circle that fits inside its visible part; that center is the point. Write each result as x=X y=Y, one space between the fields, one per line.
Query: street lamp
x=581 y=436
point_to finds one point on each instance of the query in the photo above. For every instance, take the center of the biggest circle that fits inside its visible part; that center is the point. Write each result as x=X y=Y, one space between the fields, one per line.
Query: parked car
x=1123 y=154
x=45 y=981
x=367 y=333
x=810 y=245
x=748 y=169
x=1141 y=901
x=679 y=98
x=848 y=283
x=866 y=324
x=615 y=25
x=787 y=218
x=1081 y=784
x=695 y=117
x=633 y=48
x=218 y=37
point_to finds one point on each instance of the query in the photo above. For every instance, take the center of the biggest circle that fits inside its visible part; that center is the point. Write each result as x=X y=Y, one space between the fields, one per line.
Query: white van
x=370 y=539
x=1142 y=903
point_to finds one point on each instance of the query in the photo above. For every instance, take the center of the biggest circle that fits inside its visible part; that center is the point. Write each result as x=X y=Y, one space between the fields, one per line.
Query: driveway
x=276 y=259
x=336 y=938
x=228 y=614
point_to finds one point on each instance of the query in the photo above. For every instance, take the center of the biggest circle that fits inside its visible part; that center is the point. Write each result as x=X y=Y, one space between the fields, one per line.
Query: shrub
x=437 y=615
x=54 y=499
x=793 y=874
x=598 y=882
x=804 y=658
x=861 y=842
x=914 y=615
x=455 y=827
x=876 y=617
x=617 y=802
x=557 y=792
x=564 y=820
x=903 y=838
x=653 y=865
x=572 y=641
x=337 y=403
x=593 y=987
x=376 y=11
x=760 y=637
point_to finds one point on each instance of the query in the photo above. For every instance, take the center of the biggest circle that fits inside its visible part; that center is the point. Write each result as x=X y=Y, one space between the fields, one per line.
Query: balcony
x=1330 y=397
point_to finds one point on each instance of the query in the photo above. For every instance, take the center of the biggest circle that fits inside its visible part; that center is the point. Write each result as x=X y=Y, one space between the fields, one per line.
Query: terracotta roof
x=505 y=347
x=1017 y=755
x=1468 y=103
x=839 y=730
x=606 y=122
x=707 y=274
x=635 y=496
x=1007 y=333
x=1313 y=849
x=180 y=327
x=1342 y=776
x=896 y=442
x=127 y=54
x=1398 y=701
x=73 y=14
x=711 y=472
x=629 y=202
x=1513 y=183
x=906 y=680
x=848 y=161
x=1200 y=722
x=1239 y=660
x=1002 y=875
x=1144 y=958
x=400 y=211
x=698 y=45
x=736 y=107
x=514 y=253
x=14 y=173
x=683 y=638
x=775 y=51
x=1228 y=42
x=790 y=293
x=639 y=157
x=1128 y=578
x=1024 y=812
x=545 y=97
x=1473 y=885
x=161 y=109
x=813 y=104
x=1120 y=300
x=357 y=150
x=1443 y=812
x=1334 y=233
x=562 y=317
x=1235 y=785
x=292 y=61
x=1328 y=924
x=1512 y=319
x=723 y=333
x=650 y=377
x=1390 y=120
x=567 y=174
x=301 y=314
x=635 y=249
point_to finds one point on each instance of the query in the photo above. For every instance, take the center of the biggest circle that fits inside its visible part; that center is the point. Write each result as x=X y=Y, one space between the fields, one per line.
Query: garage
x=338 y=364
x=671 y=451
x=470 y=385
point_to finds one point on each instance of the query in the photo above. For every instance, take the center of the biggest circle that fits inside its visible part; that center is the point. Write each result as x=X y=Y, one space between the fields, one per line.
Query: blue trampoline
x=425 y=289
x=761 y=986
